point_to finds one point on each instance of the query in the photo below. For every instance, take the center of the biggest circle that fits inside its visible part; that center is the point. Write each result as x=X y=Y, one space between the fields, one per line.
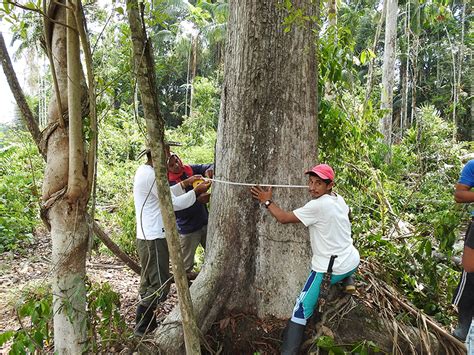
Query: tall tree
x=65 y=186
x=404 y=70
x=146 y=80
x=267 y=134
x=388 y=69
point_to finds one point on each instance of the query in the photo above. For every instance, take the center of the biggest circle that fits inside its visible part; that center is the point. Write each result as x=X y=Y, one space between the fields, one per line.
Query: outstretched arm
x=463 y=193
x=281 y=215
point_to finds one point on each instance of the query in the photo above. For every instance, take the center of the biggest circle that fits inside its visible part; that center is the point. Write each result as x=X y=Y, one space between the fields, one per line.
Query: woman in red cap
x=327 y=218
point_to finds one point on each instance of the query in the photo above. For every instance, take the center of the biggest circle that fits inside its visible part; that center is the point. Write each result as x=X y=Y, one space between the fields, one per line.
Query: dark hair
x=326 y=181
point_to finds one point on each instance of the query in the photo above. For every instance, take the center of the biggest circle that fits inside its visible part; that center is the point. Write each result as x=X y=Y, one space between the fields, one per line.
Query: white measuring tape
x=250 y=184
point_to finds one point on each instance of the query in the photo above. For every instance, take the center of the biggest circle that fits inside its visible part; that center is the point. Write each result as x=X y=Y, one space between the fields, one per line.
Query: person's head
x=166 y=148
x=321 y=180
x=174 y=164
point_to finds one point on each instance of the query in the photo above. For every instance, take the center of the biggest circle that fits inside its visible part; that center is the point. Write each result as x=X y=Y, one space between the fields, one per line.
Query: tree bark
x=457 y=80
x=194 y=44
x=20 y=98
x=145 y=71
x=332 y=13
x=33 y=128
x=370 y=71
x=267 y=134
x=388 y=69
x=414 y=58
x=404 y=75
x=66 y=213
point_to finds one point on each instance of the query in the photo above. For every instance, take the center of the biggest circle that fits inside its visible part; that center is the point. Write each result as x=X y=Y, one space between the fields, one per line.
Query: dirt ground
x=235 y=333
x=31 y=268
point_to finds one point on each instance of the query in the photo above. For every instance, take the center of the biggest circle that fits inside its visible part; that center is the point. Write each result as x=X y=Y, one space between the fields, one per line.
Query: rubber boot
x=464 y=322
x=292 y=338
x=349 y=285
x=145 y=320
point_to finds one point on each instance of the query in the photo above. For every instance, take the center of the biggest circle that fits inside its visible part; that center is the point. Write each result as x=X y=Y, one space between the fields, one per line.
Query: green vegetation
x=21 y=171
x=34 y=310
x=404 y=216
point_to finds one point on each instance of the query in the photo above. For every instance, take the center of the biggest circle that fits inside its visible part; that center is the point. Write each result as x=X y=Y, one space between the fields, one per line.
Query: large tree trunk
x=388 y=69
x=267 y=134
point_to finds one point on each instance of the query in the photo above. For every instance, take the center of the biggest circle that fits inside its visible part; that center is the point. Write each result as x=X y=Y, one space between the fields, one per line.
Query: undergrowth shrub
x=404 y=215
x=106 y=328
x=20 y=188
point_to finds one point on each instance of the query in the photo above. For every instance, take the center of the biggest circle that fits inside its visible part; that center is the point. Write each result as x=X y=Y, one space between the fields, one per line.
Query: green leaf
x=363 y=57
x=6 y=336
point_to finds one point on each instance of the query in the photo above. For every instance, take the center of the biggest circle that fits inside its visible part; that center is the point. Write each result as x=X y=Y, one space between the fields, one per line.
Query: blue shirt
x=467 y=176
x=195 y=217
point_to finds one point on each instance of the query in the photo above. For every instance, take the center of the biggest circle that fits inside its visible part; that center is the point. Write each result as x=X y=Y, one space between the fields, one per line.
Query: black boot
x=145 y=320
x=292 y=338
x=464 y=322
x=349 y=285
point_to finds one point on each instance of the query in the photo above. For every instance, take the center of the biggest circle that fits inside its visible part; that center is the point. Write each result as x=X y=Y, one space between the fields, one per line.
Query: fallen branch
x=410 y=309
x=114 y=248
x=405 y=304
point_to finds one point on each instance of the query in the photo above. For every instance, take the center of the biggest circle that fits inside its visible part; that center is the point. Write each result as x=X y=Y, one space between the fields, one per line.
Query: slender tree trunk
x=267 y=134
x=414 y=59
x=404 y=74
x=332 y=13
x=388 y=69
x=64 y=191
x=195 y=40
x=329 y=90
x=20 y=99
x=370 y=72
x=457 y=90
x=145 y=71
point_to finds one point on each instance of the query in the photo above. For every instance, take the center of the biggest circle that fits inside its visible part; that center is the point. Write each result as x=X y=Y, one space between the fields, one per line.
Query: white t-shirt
x=147 y=206
x=330 y=232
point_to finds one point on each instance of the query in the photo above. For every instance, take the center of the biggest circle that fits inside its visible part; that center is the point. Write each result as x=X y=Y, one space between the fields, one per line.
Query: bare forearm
x=468 y=259
x=463 y=196
x=281 y=215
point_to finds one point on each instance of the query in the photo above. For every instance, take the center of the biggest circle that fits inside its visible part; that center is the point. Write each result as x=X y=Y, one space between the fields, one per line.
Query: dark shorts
x=464 y=295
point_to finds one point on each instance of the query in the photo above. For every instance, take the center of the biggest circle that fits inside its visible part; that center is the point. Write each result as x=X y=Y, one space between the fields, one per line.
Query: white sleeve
x=177 y=190
x=183 y=201
x=179 y=198
x=308 y=214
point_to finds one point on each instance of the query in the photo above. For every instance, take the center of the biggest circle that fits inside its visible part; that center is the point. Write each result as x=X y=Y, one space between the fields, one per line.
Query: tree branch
x=20 y=98
x=39 y=12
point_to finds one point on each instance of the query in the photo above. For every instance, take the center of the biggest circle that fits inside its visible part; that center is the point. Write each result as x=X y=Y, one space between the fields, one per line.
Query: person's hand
x=209 y=173
x=260 y=194
x=204 y=198
x=190 y=180
x=202 y=187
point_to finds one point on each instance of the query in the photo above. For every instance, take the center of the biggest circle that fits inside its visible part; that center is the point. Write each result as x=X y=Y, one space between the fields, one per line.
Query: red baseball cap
x=324 y=171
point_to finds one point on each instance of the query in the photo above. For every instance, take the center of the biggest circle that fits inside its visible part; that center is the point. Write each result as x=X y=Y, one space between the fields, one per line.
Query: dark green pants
x=154 y=261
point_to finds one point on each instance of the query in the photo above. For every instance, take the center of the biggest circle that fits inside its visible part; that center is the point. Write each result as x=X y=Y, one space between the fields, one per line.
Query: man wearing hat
x=192 y=221
x=151 y=242
x=327 y=219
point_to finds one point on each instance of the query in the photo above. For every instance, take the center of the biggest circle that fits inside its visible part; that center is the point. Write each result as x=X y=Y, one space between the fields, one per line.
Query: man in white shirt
x=327 y=218
x=151 y=242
